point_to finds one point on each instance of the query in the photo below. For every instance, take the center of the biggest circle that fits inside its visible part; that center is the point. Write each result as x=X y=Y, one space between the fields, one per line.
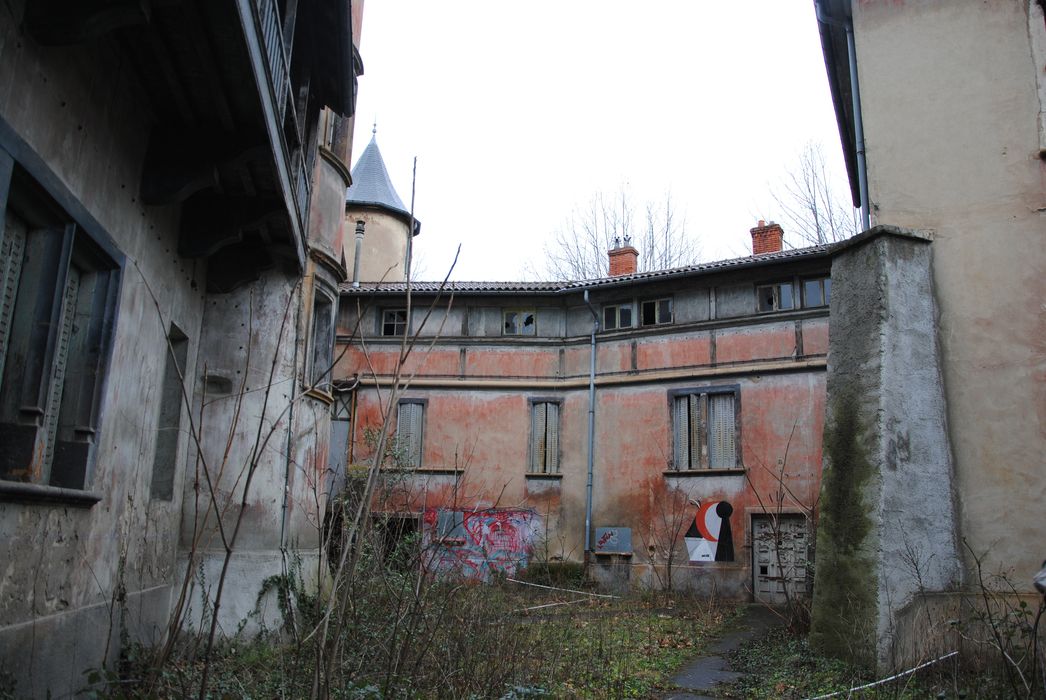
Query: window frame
x=84 y=283
x=616 y=310
x=703 y=430
x=518 y=325
x=824 y=284
x=776 y=305
x=169 y=415
x=545 y=469
x=414 y=456
x=321 y=353
x=399 y=326
x=658 y=320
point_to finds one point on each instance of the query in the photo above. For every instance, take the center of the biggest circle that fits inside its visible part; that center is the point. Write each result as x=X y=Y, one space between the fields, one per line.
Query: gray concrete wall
x=884 y=369
x=64 y=568
x=955 y=147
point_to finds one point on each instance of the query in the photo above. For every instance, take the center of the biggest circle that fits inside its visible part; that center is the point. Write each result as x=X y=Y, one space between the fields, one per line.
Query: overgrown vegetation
x=410 y=636
x=781 y=665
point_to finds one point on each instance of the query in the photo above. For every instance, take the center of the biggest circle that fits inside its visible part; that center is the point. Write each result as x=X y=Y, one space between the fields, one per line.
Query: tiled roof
x=566 y=287
x=371 y=184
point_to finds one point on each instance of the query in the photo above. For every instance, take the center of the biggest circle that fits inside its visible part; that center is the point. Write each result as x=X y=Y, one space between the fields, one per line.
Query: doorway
x=779 y=558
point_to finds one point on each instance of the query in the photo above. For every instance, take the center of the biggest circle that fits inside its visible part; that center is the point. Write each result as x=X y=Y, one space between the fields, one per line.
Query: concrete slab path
x=697 y=679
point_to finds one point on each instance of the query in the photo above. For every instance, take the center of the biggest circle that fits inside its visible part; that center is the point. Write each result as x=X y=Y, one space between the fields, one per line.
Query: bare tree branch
x=811 y=206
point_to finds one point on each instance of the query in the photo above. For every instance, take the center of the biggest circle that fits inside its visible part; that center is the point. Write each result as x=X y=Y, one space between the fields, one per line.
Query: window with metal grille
x=617 y=316
x=544 y=437
x=705 y=434
x=56 y=322
x=520 y=322
x=394 y=322
x=655 y=312
x=410 y=425
x=775 y=297
x=817 y=292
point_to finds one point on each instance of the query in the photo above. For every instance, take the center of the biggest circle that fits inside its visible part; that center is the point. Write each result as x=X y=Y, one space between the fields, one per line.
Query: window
x=520 y=322
x=410 y=424
x=617 y=316
x=817 y=292
x=656 y=311
x=168 y=429
x=394 y=322
x=322 y=340
x=705 y=429
x=544 y=437
x=56 y=319
x=774 y=297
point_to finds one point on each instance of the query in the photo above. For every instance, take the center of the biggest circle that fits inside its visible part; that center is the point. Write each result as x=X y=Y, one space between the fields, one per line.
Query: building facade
x=664 y=426
x=170 y=263
x=955 y=150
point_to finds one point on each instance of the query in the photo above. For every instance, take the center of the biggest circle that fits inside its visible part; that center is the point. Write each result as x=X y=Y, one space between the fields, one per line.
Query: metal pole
x=591 y=429
x=356 y=258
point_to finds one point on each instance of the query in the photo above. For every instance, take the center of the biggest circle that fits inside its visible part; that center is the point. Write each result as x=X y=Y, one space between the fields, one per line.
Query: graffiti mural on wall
x=709 y=538
x=478 y=544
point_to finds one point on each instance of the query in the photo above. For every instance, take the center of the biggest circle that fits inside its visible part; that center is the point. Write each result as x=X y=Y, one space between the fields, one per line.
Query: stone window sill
x=739 y=471
x=20 y=492
x=424 y=470
x=543 y=475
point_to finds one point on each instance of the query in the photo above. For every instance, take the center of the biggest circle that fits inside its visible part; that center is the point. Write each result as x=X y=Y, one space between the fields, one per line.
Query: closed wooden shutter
x=552 y=437
x=682 y=432
x=408 y=432
x=722 y=444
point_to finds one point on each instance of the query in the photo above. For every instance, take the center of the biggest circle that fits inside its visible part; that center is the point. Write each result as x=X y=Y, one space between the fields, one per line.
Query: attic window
x=775 y=297
x=520 y=322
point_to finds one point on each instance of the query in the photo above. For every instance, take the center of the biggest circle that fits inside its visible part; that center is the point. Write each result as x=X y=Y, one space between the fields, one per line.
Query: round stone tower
x=382 y=249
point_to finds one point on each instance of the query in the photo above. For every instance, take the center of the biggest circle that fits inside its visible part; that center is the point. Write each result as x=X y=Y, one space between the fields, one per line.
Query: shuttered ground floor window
x=705 y=428
x=544 y=437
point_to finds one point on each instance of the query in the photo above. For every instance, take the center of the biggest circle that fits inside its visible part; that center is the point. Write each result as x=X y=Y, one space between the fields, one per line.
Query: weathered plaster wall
x=383 y=254
x=477 y=432
x=71 y=577
x=888 y=523
x=955 y=148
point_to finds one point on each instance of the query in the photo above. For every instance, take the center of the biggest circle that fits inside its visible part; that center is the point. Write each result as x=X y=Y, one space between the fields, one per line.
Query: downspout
x=591 y=429
x=855 y=93
x=356 y=257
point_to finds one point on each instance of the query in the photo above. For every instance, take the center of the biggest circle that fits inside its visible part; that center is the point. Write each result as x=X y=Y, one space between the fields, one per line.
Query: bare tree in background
x=578 y=249
x=811 y=206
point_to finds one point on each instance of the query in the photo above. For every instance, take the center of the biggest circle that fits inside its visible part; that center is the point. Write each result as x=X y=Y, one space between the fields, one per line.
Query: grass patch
x=780 y=665
x=465 y=641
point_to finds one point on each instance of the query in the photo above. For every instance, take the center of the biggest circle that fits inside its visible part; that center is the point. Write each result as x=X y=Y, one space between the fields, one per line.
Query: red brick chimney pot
x=767 y=238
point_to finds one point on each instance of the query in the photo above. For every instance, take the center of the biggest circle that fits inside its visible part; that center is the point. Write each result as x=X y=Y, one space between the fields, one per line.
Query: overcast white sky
x=518 y=112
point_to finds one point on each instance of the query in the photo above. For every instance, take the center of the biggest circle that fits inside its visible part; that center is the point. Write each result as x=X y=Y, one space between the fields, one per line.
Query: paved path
x=697 y=679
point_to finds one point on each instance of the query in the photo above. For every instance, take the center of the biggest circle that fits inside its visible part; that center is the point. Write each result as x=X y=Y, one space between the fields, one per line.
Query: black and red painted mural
x=709 y=538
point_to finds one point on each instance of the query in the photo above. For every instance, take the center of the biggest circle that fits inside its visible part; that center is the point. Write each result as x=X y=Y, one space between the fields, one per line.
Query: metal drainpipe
x=855 y=92
x=356 y=258
x=591 y=429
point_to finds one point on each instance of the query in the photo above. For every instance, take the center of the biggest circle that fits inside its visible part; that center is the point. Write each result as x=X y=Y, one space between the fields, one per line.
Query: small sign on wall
x=613 y=540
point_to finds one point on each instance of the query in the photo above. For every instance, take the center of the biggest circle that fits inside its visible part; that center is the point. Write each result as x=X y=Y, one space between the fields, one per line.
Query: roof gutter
x=847 y=25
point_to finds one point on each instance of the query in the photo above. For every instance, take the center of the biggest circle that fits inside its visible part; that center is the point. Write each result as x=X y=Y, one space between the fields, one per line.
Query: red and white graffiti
x=478 y=544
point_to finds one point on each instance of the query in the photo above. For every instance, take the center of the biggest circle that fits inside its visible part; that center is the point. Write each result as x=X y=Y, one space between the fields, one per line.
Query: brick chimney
x=624 y=260
x=766 y=238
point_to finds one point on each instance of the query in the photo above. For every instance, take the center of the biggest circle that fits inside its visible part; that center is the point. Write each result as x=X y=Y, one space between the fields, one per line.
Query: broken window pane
x=656 y=311
x=520 y=322
x=394 y=322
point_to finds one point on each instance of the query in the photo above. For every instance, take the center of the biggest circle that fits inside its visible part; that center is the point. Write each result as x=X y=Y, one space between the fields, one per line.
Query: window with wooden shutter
x=704 y=434
x=410 y=421
x=544 y=431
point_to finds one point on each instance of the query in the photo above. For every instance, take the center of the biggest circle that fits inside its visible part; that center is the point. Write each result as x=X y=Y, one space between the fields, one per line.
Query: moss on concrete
x=843 y=615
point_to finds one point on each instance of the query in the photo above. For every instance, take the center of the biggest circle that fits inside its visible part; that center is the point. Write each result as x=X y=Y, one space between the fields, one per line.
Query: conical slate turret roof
x=371 y=186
